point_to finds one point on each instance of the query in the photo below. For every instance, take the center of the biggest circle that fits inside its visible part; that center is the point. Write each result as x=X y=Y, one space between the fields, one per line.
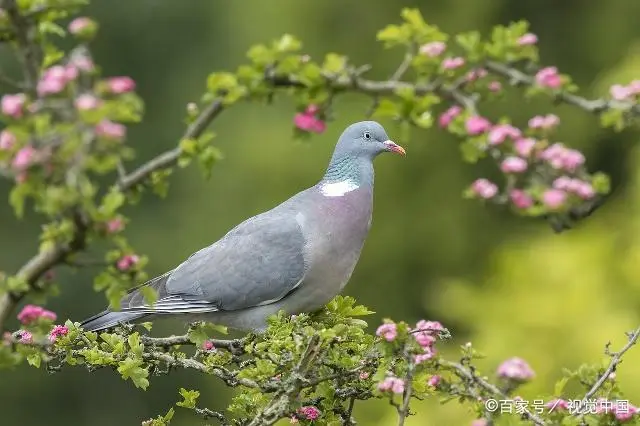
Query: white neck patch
x=338 y=189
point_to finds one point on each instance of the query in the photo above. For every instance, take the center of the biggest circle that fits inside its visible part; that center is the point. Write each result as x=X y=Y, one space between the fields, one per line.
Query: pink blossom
x=24 y=158
x=80 y=24
x=563 y=183
x=309 y=412
x=127 y=261
x=624 y=411
x=513 y=165
x=58 y=330
x=476 y=125
x=452 y=63
x=449 y=115
x=55 y=79
x=424 y=339
x=121 y=84
x=207 y=345
x=25 y=337
x=480 y=422
x=115 y=225
x=476 y=74
x=494 y=86
x=434 y=381
x=620 y=92
x=392 y=384
x=524 y=146
x=13 y=105
x=31 y=313
x=528 y=39
x=500 y=132
x=484 y=188
x=515 y=369
x=544 y=122
x=520 y=199
x=364 y=375
x=87 y=102
x=549 y=77
x=428 y=353
x=554 y=198
x=435 y=48
x=308 y=120
x=561 y=157
x=83 y=63
x=7 y=140
x=388 y=331
x=110 y=130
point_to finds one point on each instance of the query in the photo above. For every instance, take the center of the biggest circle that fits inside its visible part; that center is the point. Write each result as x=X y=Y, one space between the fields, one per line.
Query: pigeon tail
x=107 y=319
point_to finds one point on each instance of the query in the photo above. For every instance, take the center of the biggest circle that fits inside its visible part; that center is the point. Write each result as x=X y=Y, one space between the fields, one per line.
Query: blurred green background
x=508 y=284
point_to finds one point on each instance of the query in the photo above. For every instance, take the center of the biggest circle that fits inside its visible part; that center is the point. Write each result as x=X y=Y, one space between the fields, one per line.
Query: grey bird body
x=295 y=257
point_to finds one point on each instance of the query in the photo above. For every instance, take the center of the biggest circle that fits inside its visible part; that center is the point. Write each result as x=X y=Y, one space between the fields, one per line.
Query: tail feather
x=107 y=319
x=133 y=299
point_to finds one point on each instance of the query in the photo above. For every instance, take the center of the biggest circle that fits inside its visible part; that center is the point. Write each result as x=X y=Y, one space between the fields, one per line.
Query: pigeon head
x=365 y=139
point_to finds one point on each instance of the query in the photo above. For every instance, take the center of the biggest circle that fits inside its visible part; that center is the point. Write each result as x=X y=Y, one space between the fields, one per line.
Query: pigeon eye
x=366 y=135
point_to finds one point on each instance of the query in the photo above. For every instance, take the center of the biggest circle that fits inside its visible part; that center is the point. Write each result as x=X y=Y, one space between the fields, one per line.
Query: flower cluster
x=32 y=313
x=309 y=121
x=425 y=334
x=58 y=331
x=515 y=369
x=127 y=262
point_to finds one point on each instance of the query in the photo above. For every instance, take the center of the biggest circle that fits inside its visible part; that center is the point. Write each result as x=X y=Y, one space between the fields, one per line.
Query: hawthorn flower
x=31 y=313
x=448 y=116
x=308 y=120
x=388 y=331
x=435 y=48
x=548 y=77
x=484 y=188
x=13 y=105
x=476 y=125
x=127 y=261
x=58 y=330
x=515 y=369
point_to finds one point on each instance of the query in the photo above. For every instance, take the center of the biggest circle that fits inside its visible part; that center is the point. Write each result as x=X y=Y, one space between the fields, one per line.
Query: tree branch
x=616 y=358
x=488 y=387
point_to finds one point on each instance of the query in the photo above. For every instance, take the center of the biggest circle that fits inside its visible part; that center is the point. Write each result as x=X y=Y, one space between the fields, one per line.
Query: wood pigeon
x=295 y=257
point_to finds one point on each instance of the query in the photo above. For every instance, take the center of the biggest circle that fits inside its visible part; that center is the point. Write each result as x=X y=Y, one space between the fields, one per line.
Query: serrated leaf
x=131 y=368
x=189 y=398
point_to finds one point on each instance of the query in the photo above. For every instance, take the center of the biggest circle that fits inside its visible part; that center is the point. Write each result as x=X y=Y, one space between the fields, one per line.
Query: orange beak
x=393 y=147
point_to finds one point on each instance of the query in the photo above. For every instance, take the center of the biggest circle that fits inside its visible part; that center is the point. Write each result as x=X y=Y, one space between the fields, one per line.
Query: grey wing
x=259 y=262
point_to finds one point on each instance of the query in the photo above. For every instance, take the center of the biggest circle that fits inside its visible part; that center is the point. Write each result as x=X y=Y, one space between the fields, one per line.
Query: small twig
x=403 y=409
x=494 y=390
x=616 y=359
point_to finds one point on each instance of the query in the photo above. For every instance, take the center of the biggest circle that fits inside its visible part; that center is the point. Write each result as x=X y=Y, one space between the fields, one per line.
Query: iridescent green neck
x=348 y=167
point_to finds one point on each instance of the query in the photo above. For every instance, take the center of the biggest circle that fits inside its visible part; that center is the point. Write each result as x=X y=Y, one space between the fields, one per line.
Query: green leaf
x=137 y=348
x=17 y=198
x=34 y=359
x=112 y=201
x=261 y=55
x=414 y=19
x=131 y=368
x=334 y=63
x=601 y=183
x=150 y=294
x=287 y=43
x=559 y=386
x=387 y=108
x=189 y=398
